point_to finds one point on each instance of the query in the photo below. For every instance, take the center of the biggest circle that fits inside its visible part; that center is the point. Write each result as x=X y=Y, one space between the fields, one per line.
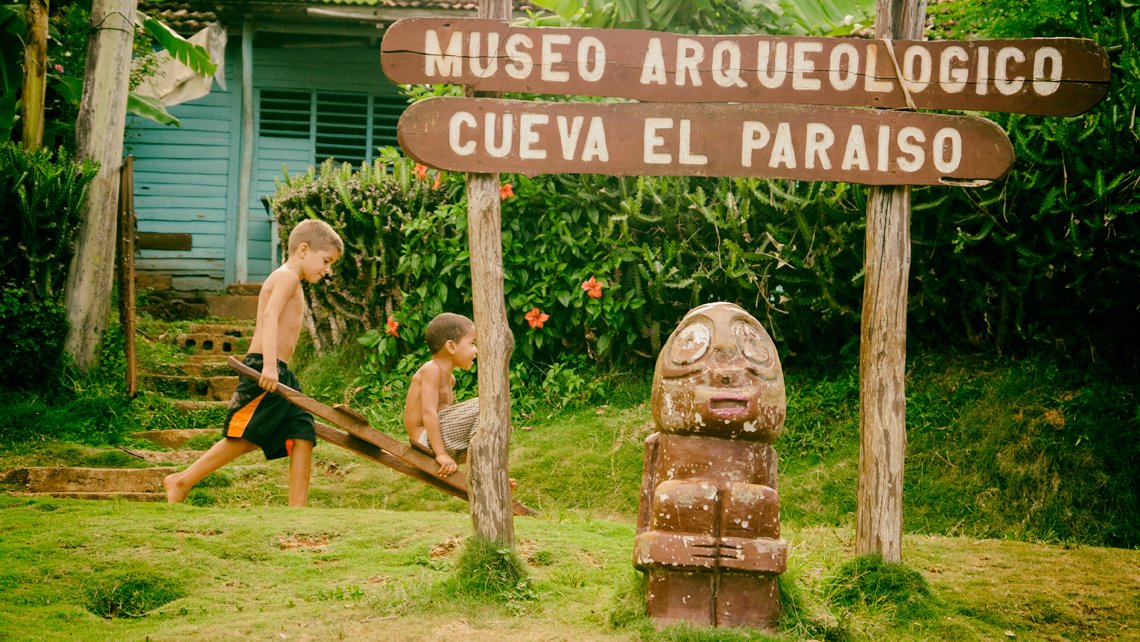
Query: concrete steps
x=136 y=484
x=201 y=381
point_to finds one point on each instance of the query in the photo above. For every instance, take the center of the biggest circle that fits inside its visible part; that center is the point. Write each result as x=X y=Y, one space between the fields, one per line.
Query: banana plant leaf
x=71 y=88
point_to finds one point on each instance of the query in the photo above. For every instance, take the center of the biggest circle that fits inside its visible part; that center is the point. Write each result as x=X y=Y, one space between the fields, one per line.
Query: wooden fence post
x=882 y=348
x=489 y=489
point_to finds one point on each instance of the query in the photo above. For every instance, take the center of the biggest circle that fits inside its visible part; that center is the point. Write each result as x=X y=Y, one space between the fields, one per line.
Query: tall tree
x=35 y=74
x=99 y=137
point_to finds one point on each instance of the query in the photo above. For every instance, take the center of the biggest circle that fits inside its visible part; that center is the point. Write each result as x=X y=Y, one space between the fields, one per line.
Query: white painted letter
x=774 y=77
x=684 y=155
x=755 y=136
x=549 y=57
x=820 y=138
x=726 y=64
x=983 y=81
x=843 y=74
x=946 y=140
x=855 y=154
x=1040 y=57
x=489 y=135
x=590 y=49
x=801 y=65
x=568 y=131
x=1001 y=71
x=476 y=57
x=782 y=150
x=952 y=79
x=690 y=53
x=527 y=136
x=447 y=65
x=920 y=79
x=653 y=67
x=595 y=145
x=871 y=81
x=521 y=64
x=917 y=156
x=652 y=141
x=457 y=119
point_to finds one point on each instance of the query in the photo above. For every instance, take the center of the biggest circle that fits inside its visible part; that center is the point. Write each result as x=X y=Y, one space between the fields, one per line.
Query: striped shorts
x=456 y=426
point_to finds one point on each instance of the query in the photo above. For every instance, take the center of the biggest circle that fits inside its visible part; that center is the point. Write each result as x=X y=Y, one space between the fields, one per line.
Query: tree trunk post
x=882 y=353
x=35 y=75
x=99 y=137
x=489 y=488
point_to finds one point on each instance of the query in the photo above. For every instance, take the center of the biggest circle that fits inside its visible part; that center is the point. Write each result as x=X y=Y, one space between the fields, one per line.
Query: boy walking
x=431 y=416
x=256 y=418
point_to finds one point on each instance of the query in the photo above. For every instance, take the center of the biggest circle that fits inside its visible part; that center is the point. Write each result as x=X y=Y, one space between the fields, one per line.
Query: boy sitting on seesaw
x=256 y=417
x=431 y=416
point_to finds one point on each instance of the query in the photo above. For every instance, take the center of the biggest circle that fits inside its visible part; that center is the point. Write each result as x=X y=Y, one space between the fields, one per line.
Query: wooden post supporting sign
x=490 y=490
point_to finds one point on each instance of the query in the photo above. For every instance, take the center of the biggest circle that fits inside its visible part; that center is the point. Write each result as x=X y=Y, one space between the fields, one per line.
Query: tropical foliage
x=67 y=53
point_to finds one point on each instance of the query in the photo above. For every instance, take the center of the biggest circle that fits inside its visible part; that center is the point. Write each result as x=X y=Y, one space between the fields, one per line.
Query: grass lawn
x=375 y=555
x=270 y=573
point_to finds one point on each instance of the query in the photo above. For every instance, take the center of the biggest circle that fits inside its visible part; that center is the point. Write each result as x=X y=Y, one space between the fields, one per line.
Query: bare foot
x=175 y=493
x=512 y=482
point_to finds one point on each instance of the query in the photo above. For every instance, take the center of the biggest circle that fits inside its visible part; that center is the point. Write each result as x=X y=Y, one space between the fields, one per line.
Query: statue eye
x=690 y=344
x=752 y=344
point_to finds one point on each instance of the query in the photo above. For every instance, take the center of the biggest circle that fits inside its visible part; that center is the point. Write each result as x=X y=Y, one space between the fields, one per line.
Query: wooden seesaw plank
x=357 y=426
x=377 y=454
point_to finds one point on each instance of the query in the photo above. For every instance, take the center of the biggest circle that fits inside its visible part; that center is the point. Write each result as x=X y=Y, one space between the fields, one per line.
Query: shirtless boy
x=256 y=418
x=431 y=416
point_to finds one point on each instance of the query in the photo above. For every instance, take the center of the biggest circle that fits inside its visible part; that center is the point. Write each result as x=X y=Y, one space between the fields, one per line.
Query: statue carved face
x=719 y=376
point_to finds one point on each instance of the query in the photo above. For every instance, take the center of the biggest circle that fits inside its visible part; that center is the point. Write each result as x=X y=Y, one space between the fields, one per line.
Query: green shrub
x=1047 y=257
x=40 y=196
x=34 y=331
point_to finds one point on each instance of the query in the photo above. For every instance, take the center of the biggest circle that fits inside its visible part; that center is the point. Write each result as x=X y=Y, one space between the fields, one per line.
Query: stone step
x=191 y=405
x=133 y=497
x=86 y=480
x=232 y=306
x=212 y=366
x=218 y=388
x=229 y=329
x=245 y=289
x=176 y=437
x=211 y=343
x=179 y=457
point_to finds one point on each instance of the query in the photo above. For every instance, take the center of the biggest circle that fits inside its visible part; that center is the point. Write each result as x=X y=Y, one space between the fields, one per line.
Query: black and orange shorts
x=268 y=420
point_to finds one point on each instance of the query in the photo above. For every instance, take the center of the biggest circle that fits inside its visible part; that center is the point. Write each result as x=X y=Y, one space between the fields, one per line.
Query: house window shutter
x=285 y=114
x=342 y=127
x=346 y=127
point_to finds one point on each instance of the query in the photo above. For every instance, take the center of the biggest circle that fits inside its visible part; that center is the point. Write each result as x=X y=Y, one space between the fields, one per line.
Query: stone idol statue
x=708 y=525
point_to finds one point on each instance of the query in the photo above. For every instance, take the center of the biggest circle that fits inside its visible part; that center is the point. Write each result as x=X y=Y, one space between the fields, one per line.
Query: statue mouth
x=728 y=406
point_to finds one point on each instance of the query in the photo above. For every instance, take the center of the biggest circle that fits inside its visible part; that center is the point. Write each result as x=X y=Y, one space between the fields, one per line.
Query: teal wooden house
x=302 y=83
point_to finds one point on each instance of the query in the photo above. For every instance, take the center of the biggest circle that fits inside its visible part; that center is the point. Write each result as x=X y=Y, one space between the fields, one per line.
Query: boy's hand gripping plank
x=365 y=440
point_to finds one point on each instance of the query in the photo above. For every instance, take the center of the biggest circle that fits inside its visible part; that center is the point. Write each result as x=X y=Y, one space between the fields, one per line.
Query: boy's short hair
x=318 y=234
x=445 y=327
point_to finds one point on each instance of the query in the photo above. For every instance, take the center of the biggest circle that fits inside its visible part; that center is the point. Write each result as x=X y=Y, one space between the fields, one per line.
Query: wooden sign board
x=872 y=147
x=1052 y=76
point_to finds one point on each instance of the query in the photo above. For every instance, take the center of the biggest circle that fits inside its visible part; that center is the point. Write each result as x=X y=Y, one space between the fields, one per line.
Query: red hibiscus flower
x=592 y=288
x=506 y=191
x=421 y=171
x=536 y=318
x=393 y=327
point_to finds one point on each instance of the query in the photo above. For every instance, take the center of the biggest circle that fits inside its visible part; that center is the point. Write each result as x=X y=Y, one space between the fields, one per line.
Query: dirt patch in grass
x=316 y=541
